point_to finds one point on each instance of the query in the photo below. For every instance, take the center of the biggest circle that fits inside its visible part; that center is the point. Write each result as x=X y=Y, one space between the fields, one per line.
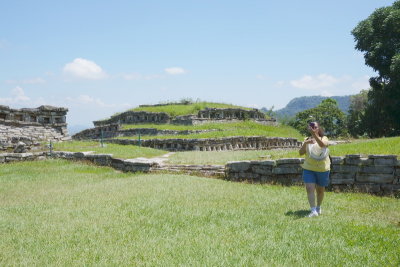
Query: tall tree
x=358 y=105
x=378 y=37
x=329 y=116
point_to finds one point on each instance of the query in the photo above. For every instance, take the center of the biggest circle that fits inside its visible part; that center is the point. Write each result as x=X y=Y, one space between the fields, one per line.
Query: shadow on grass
x=298 y=214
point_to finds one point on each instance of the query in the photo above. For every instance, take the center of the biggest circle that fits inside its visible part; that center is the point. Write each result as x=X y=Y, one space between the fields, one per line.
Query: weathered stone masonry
x=135 y=117
x=218 y=115
x=33 y=124
x=230 y=113
x=378 y=174
x=206 y=115
x=214 y=144
x=114 y=130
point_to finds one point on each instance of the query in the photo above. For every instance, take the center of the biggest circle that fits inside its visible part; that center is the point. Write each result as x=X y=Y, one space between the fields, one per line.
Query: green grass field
x=365 y=147
x=222 y=157
x=64 y=213
x=245 y=128
x=118 y=151
x=383 y=146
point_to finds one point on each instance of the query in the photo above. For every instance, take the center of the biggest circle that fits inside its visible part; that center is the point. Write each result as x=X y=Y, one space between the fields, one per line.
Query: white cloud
x=328 y=85
x=19 y=94
x=315 y=82
x=261 y=77
x=85 y=69
x=17 y=97
x=175 y=70
x=87 y=100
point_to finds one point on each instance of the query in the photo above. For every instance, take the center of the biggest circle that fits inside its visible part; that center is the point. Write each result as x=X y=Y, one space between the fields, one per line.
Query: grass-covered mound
x=63 y=213
x=245 y=128
x=190 y=108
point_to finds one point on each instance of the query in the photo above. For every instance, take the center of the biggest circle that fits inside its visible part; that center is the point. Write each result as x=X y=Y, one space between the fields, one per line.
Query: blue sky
x=101 y=57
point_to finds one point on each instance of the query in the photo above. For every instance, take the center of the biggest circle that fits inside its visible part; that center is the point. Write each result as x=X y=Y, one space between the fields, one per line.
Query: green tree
x=358 y=105
x=329 y=116
x=378 y=37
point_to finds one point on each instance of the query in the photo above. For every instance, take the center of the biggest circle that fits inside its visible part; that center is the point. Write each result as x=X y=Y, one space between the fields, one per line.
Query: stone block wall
x=33 y=125
x=214 y=144
x=221 y=115
x=113 y=130
x=106 y=131
x=13 y=157
x=379 y=174
x=136 y=117
x=230 y=113
x=45 y=115
x=193 y=120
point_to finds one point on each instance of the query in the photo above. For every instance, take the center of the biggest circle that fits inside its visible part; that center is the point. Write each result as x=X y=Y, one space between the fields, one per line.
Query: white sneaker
x=319 y=210
x=313 y=213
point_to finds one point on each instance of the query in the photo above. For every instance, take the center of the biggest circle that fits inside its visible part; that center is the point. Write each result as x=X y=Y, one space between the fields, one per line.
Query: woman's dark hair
x=321 y=131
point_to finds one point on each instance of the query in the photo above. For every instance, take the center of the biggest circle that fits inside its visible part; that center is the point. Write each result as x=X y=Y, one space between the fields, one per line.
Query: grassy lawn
x=389 y=145
x=118 y=151
x=245 y=128
x=66 y=214
x=364 y=147
x=222 y=157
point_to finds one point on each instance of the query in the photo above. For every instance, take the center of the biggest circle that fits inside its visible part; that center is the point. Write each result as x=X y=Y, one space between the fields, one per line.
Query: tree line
x=374 y=112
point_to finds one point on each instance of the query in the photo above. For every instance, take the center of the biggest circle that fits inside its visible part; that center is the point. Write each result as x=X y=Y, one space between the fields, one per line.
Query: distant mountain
x=306 y=102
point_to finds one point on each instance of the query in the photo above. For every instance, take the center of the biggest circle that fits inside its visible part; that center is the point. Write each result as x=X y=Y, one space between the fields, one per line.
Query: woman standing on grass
x=316 y=166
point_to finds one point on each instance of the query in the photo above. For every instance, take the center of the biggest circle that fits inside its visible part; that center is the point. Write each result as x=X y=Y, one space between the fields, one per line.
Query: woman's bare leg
x=320 y=194
x=310 y=188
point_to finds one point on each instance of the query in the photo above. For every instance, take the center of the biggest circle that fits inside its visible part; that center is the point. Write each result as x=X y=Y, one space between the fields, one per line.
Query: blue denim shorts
x=319 y=178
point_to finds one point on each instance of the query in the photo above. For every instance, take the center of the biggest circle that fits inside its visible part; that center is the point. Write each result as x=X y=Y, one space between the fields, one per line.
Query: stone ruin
x=218 y=115
x=28 y=126
x=111 y=128
x=114 y=130
x=206 y=115
x=215 y=144
x=136 y=117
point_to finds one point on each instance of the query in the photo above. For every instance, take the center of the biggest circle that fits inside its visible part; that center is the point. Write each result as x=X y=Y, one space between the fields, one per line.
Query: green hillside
x=306 y=102
x=185 y=109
